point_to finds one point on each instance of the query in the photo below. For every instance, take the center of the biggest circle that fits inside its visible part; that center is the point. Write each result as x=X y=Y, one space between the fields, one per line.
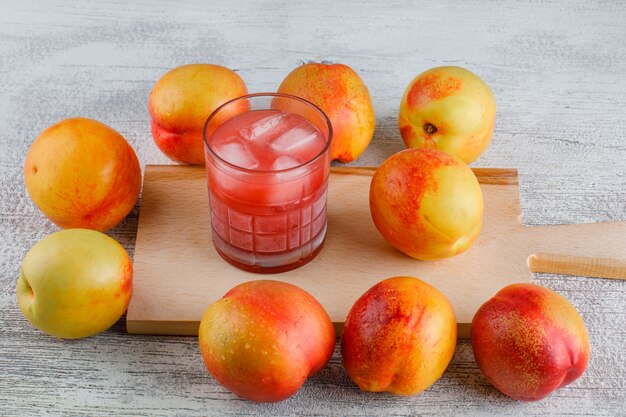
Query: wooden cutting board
x=178 y=273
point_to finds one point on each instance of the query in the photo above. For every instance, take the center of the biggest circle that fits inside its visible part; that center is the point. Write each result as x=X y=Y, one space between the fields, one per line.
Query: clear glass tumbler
x=268 y=161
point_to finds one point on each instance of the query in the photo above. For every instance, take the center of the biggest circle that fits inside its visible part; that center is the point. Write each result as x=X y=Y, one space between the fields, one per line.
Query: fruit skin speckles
x=432 y=86
x=529 y=341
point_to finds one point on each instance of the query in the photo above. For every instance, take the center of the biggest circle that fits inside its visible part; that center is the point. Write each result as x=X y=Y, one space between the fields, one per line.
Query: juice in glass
x=268 y=161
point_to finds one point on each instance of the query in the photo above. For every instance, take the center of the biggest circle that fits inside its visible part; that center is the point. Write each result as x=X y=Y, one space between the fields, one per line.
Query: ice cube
x=302 y=141
x=233 y=150
x=285 y=162
x=262 y=127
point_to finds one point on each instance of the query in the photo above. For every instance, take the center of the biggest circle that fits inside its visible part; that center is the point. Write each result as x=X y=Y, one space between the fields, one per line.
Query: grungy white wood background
x=558 y=72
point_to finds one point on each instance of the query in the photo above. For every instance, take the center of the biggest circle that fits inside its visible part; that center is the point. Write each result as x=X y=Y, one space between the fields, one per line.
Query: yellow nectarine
x=75 y=283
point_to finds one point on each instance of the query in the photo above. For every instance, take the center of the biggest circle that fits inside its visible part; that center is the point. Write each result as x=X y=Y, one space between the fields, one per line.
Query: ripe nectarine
x=529 y=341
x=82 y=174
x=448 y=108
x=264 y=338
x=426 y=203
x=181 y=102
x=341 y=94
x=399 y=337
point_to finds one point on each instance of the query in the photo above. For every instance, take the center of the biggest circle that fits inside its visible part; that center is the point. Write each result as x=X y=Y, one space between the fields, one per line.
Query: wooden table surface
x=558 y=72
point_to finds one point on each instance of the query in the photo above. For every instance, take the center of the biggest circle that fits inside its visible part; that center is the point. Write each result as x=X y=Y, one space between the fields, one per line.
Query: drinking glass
x=268 y=161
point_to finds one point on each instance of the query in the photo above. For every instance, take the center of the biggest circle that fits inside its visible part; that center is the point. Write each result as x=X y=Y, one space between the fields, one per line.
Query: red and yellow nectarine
x=426 y=203
x=529 y=341
x=82 y=174
x=341 y=94
x=264 y=338
x=448 y=108
x=181 y=102
x=399 y=337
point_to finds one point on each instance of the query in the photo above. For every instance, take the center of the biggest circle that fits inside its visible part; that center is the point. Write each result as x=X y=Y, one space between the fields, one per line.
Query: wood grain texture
x=178 y=273
x=556 y=69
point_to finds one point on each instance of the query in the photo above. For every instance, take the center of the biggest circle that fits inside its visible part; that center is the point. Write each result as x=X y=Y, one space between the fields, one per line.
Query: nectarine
x=341 y=94
x=181 y=102
x=399 y=337
x=448 y=108
x=426 y=203
x=529 y=341
x=75 y=283
x=82 y=174
x=264 y=338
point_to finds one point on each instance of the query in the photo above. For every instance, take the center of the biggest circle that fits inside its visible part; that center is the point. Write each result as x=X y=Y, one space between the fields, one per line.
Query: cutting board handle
x=577 y=265
x=588 y=249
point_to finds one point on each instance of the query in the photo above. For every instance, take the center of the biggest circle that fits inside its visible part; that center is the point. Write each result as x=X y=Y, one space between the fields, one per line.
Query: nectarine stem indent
x=430 y=128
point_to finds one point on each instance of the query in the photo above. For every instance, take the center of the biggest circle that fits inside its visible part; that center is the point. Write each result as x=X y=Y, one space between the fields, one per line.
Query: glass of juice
x=267 y=161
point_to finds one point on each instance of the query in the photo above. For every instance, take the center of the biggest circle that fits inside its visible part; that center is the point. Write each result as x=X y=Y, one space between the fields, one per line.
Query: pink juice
x=267 y=190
